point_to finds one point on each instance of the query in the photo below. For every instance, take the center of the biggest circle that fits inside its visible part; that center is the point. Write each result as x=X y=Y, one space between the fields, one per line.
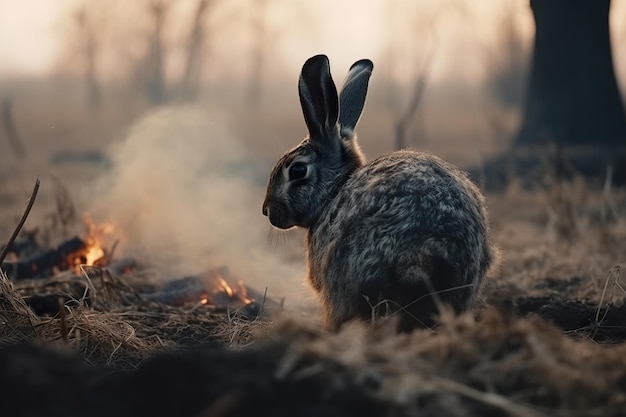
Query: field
x=185 y=194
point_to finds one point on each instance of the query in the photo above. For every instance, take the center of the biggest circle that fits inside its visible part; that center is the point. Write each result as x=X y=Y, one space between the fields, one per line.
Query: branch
x=414 y=101
x=31 y=201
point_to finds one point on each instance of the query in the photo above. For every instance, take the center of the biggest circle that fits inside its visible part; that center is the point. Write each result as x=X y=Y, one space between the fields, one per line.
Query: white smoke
x=185 y=194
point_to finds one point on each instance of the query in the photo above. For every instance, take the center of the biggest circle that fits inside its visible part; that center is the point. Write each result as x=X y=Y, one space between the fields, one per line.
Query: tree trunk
x=94 y=95
x=572 y=96
x=193 y=65
x=260 y=38
x=156 y=82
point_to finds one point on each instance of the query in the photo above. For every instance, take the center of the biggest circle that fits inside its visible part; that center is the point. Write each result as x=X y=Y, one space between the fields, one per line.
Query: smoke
x=186 y=195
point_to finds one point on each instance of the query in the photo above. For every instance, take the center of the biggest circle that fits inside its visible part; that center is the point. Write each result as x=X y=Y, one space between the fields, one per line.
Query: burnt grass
x=547 y=339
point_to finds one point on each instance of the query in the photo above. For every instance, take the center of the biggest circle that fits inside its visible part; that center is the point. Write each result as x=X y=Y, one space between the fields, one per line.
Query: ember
x=96 y=236
x=219 y=281
x=223 y=285
x=43 y=264
x=71 y=253
x=215 y=289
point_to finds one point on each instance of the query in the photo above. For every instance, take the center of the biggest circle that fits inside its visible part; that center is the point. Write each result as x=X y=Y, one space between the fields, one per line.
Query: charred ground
x=547 y=340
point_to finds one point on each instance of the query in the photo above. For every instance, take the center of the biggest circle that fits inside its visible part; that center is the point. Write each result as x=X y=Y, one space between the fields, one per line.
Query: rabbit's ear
x=318 y=97
x=352 y=96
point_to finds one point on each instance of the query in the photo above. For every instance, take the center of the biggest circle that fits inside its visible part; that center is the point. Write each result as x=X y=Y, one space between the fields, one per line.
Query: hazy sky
x=31 y=33
x=27 y=35
x=30 y=29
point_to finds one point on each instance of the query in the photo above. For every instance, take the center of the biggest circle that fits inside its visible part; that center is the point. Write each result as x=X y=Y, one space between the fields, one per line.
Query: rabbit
x=404 y=234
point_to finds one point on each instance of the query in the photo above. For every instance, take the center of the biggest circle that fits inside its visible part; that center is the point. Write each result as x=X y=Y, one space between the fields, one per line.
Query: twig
x=119 y=345
x=414 y=101
x=63 y=321
x=109 y=254
x=5 y=250
x=488 y=398
x=606 y=194
x=262 y=304
x=614 y=272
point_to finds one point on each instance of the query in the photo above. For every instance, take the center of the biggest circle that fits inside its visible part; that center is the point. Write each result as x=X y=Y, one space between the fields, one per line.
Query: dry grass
x=498 y=365
x=563 y=240
x=559 y=241
x=494 y=363
x=18 y=321
x=106 y=330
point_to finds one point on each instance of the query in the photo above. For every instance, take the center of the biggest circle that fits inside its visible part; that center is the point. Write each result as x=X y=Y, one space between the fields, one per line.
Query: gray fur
x=353 y=93
x=383 y=237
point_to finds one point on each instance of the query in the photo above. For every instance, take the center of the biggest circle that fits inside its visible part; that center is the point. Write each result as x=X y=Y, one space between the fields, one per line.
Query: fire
x=222 y=285
x=94 y=252
x=96 y=236
x=243 y=293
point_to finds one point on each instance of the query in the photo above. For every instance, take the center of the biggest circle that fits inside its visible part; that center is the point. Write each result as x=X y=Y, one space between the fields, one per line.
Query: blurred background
x=77 y=73
x=166 y=116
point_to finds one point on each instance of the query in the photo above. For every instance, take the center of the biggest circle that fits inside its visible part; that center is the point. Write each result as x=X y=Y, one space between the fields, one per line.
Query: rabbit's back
x=402 y=226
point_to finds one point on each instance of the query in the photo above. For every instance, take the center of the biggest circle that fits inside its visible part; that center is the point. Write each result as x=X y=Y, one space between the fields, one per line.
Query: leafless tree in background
x=508 y=64
x=416 y=55
x=573 y=121
x=572 y=96
x=405 y=116
x=155 y=83
x=198 y=35
x=266 y=29
x=90 y=49
x=88 y=26
x=260 y=38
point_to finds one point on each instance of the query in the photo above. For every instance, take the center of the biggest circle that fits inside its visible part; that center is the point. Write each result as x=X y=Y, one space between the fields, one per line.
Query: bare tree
x=87 y=30
x=260 y=38
x=573 y=119
x=406 y=116
x=196 y=39
x=90 y=53
x=157 y=11
x=572 y=96
x=418 y=64
x=508 y=64
x=265 y=28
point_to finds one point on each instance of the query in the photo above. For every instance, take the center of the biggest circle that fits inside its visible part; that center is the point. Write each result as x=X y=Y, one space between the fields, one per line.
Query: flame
x=204 y=299
x=243 y=293
x=234 y=292
x=94 y=253
x=96 y=235
x=222 y=285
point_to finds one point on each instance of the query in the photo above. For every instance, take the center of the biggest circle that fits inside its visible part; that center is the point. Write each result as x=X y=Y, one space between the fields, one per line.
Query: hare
x=403 y=234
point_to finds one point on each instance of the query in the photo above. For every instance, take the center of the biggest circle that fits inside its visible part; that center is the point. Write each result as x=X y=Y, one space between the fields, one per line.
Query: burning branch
x=214 y=287
x=31 y=201
x=42 y=263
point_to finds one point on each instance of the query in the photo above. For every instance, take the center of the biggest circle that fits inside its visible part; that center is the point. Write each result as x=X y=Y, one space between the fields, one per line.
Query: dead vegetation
x=106 y=330
x=502 y=360
x=497 y=364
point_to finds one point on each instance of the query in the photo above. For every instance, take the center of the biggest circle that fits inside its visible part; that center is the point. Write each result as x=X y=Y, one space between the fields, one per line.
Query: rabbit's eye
x=297 y=171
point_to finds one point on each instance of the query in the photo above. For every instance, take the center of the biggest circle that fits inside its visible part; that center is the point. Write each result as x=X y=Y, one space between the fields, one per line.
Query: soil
x=547 y=339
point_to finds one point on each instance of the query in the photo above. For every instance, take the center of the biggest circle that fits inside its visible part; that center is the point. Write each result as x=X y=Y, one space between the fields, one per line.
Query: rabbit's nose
x=265 y=210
